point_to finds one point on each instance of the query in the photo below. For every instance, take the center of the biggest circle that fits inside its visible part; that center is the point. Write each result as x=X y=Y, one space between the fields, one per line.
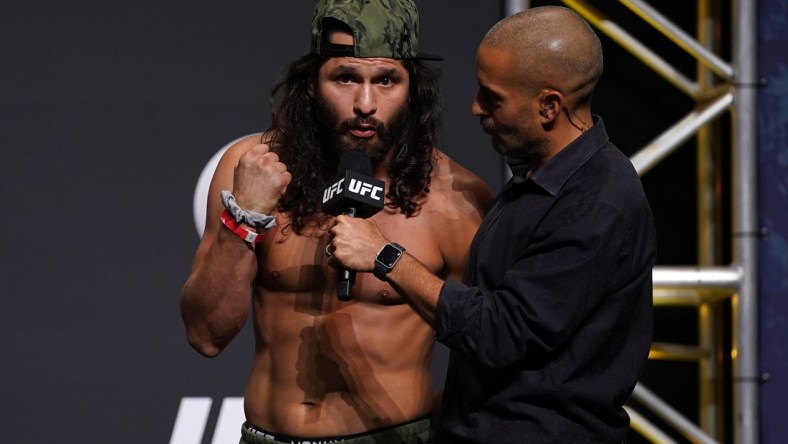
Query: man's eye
x=386 y=81
x=490 y=99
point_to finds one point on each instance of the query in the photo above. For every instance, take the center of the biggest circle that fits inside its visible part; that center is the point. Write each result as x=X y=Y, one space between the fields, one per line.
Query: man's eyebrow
x=389 y=72
x=344 y=69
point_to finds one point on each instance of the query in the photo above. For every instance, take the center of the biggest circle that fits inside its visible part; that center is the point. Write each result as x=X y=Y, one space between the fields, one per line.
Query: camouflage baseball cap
x=381 y=28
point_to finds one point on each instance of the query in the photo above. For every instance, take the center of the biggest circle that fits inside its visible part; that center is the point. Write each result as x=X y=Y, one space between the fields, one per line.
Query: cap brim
x=335 y=50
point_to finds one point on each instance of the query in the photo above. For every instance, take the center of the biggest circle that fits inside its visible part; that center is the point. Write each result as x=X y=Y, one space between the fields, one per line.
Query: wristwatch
x=385 y=260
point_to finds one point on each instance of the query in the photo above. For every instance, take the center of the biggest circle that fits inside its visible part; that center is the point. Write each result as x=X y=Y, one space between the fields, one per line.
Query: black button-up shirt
x=552 y=325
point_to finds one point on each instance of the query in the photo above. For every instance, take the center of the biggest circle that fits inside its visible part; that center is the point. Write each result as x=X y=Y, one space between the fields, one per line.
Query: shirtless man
x=324 y=369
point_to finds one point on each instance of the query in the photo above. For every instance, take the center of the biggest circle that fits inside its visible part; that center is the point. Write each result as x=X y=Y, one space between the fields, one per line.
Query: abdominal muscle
x=328 y=368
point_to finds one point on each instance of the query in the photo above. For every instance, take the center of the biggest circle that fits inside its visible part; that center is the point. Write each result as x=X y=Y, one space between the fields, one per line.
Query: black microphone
x=355 y=193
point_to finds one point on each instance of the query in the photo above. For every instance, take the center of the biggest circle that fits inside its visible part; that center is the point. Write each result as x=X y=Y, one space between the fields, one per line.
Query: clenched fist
x=260 y=180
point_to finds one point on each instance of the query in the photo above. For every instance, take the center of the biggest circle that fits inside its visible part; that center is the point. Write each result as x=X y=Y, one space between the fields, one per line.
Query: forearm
x=215 y=298
x=418 y=285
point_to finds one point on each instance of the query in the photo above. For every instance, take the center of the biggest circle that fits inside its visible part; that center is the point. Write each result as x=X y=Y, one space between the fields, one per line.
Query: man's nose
x=366 y=100
x=476 y=106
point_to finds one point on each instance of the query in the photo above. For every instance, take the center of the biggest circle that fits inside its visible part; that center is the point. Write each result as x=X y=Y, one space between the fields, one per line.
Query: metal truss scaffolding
x=719 y=88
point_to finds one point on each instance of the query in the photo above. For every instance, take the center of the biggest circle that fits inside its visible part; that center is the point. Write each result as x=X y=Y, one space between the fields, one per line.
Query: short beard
x=534 y=150
x=333 y=133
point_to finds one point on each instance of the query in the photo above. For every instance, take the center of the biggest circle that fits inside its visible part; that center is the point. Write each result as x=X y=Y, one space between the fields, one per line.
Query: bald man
x=551 y=326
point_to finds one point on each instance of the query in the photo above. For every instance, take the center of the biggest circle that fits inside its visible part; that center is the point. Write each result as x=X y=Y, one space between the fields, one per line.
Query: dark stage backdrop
x=110 y=111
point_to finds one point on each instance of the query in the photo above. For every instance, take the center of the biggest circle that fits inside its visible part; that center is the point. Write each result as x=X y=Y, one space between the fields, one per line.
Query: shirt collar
x=552 y=175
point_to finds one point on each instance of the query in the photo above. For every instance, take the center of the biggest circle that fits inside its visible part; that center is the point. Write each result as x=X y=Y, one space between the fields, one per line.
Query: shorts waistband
x=289 y=439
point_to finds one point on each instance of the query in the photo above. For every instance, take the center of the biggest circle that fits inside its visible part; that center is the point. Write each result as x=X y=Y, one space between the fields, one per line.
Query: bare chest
x=296 y=265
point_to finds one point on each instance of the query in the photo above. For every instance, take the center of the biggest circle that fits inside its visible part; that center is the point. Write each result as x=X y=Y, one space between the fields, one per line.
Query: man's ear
x=311 y=89
x=550 y=104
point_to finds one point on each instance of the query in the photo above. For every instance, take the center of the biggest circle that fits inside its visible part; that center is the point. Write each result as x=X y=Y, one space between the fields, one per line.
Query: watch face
x=388 y=255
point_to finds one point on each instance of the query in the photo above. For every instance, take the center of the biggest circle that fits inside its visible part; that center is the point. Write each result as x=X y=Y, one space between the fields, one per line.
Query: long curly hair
x=296 y=135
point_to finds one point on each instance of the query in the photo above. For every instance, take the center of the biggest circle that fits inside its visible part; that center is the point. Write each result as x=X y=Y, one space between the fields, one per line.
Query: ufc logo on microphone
x=333 y=190
x=362 y=188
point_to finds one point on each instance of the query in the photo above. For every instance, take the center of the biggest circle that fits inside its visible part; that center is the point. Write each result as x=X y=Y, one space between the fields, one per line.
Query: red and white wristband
x=244 y=233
